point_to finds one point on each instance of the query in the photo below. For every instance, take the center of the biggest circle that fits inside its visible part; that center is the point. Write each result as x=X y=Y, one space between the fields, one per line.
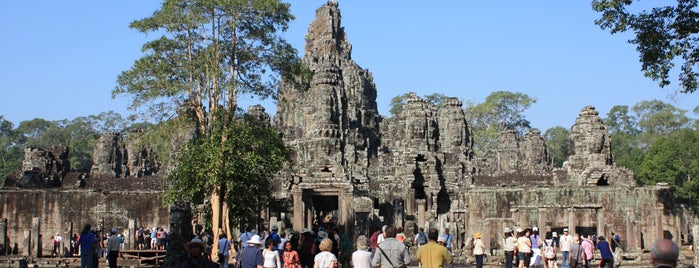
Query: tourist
x=245 y=236
x=275 y=237
x=548 y=252
x=224 y=245
x=382 y=235
x=524 y=249
x=615 y=241
x=196 y=259
x=478 y=249
x=362 y=257
x=605 y=250
x=664 y=254
x=509 y=246
x=588 y=250
x=290 y=257
x=250 y=256
x=536 y=249
x=325 y=259
x=88 y=244
x=270 y=256
x=374 y=238
x=565 y=241
x=139 y=238
x=390 y=252
x=345 y=250
x=113 y=248
x=432 y=254
x=74 y=248
x=448 y=239
x=305 y=249
x=400 y=236
x=154 y=238
x=575 y=253
x=420 y=238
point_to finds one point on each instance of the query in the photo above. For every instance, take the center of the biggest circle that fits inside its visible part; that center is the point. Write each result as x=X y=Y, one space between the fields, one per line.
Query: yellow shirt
x=433 y=255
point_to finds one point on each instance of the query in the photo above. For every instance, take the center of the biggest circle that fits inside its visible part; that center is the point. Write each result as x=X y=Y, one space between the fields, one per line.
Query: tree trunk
x=216 y=201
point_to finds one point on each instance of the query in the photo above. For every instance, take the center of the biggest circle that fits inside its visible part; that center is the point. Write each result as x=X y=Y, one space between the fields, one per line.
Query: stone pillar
x=600 y=221
x=695 y=234
x=658 y=225
x=410 y=203
x=129 y=240
x=421 y=212
x=571 y=224
x=3 y=235
x=297 y=220
x=181 y=232
x=27 y=242
x=66 y=241
x=36 y=237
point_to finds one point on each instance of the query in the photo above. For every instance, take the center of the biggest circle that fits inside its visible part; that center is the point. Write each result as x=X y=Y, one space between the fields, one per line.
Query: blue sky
x=61 y=58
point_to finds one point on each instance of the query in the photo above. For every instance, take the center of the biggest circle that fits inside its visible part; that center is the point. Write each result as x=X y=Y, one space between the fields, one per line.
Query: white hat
x=508 y=230
x=195 y=242
x=255 y=239
x=554 y=234
x=519 y=230
x=565 y=229
x=534 y=229
x=442 y=239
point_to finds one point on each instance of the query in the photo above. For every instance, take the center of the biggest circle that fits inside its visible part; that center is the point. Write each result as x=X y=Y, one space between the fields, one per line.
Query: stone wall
x=57 y=208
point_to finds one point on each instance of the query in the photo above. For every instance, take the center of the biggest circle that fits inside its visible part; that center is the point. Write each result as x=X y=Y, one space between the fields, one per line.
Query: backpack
x=421 y=239
x=548 y=251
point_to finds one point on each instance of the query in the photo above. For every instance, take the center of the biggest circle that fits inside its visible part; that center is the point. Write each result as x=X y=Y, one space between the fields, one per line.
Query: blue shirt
x=604 y=250
x=251 y=257
x=86 y=242
x=448 y=238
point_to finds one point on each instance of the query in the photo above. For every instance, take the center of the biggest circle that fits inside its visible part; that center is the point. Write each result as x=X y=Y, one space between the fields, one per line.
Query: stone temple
x=363 y=170
x=419 y=169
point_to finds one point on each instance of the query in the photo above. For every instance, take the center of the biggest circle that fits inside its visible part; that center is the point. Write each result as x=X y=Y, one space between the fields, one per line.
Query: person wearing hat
x=113 y=248
x=509 y=247
x=196 y=248
x=251 y=256
x=275 y=237
x=565 y=241
x=478 y=249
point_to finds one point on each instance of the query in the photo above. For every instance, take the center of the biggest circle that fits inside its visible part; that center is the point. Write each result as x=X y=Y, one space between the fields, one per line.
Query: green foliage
x=557 y=144
x=501 y=110
x=674 y=159
x=10 y=152
x=239 y=156
x=399 y=101
x=210 y=51
x=664 y=35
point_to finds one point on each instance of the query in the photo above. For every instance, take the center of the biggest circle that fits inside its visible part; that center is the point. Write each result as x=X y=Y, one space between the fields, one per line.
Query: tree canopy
x=501 y=110
x=664 y=35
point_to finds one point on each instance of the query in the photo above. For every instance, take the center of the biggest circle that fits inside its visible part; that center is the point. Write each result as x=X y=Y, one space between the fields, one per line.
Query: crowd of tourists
x=321 y=247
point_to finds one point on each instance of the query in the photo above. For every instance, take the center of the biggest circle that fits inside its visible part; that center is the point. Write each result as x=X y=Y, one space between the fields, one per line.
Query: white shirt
x=380 y=239
x=271 y=258
x=565 y=241
x=361 y=259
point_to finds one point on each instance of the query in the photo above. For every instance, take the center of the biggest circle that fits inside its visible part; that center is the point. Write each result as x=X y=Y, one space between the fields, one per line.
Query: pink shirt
x=588 y=247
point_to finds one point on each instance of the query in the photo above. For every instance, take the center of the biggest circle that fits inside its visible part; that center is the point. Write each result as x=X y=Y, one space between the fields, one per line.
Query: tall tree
x=501 y=110
x=557 y=144
x=399 y=101
x=664 y=35
x=239 y=170
x=10 y=150
x=211 y=51
x=674 y=159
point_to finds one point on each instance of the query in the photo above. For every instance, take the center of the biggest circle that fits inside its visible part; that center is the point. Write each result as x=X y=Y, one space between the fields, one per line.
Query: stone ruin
x=43 y=168
x=115 y=156
x=419 y=168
